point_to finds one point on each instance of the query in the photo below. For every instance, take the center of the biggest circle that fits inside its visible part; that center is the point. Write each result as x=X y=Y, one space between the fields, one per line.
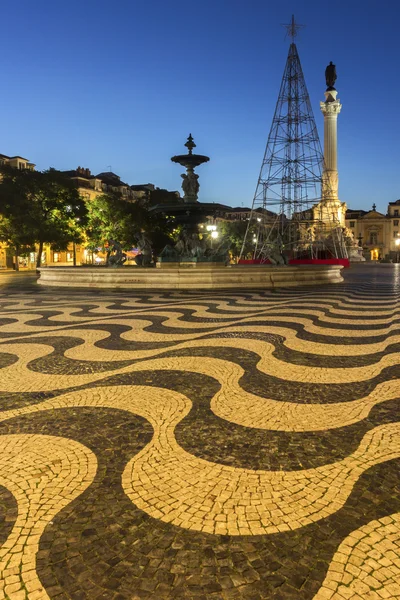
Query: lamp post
x=212 y=229
x=214 y=235
x=397 y=243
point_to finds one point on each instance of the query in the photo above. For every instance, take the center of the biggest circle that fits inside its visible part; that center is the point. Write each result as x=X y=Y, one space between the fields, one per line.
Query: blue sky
x=121 y=84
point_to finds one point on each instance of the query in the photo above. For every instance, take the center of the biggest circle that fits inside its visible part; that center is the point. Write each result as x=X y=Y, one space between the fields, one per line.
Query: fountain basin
x=190 y=160
x=197 y=276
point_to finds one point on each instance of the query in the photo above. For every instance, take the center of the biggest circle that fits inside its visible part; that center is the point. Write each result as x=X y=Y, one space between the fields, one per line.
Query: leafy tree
x=16 y=237
x=235 y=232
x=161 y=230
x=110 y=218
x=40 y=208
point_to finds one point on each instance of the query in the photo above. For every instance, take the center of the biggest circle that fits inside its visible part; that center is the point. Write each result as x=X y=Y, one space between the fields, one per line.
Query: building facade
x=377 y=233
x=17 y=162
x=90 y=186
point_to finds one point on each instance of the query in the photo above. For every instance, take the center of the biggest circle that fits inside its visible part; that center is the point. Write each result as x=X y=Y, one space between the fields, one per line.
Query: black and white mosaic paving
x=201 y=445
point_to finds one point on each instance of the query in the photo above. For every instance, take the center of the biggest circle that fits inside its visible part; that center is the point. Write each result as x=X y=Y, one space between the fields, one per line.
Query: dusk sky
x=121 y=84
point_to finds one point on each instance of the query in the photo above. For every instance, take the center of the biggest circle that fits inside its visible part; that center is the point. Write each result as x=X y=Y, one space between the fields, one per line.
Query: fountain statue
x=117 y=256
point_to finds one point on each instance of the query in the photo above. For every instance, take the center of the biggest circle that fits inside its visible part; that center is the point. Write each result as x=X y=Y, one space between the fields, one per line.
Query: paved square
x=201 y=445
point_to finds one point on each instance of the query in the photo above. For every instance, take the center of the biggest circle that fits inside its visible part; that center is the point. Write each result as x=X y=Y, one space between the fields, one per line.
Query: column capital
x=331 y=108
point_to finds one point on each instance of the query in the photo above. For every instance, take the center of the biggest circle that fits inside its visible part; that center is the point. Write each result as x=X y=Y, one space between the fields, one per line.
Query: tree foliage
x=110 y=218
x=235 y=232
x=40 y=208
x=18 y=239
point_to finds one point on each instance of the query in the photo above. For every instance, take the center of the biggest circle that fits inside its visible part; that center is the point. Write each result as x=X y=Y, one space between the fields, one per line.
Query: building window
x=56 y=257
x=352 y=223
x=373 y=238
x=396 y=213
x=395 y=234
x=395 y=223
x=70 y=257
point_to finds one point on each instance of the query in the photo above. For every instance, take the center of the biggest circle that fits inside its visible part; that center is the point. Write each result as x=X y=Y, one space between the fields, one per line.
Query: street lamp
x=213 y=233
x=397 y=243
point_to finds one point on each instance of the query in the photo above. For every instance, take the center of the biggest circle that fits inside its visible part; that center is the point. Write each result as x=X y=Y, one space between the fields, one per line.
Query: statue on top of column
x=330 y=75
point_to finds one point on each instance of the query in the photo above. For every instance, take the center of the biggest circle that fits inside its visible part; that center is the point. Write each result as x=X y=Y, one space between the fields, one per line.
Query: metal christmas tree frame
x=289 y=186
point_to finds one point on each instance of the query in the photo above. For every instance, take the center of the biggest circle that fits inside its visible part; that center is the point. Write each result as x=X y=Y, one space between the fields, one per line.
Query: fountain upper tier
x=190 y=160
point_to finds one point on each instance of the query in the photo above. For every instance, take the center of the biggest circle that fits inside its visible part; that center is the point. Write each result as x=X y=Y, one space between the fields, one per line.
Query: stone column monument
x=331 y=211
x=331 y=207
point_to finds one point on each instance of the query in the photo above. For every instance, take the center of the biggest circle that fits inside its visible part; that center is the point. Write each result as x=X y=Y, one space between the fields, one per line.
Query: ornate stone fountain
x=190 y=183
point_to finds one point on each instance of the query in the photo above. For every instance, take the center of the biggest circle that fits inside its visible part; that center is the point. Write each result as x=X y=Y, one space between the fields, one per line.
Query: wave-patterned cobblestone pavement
x=227 y=446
